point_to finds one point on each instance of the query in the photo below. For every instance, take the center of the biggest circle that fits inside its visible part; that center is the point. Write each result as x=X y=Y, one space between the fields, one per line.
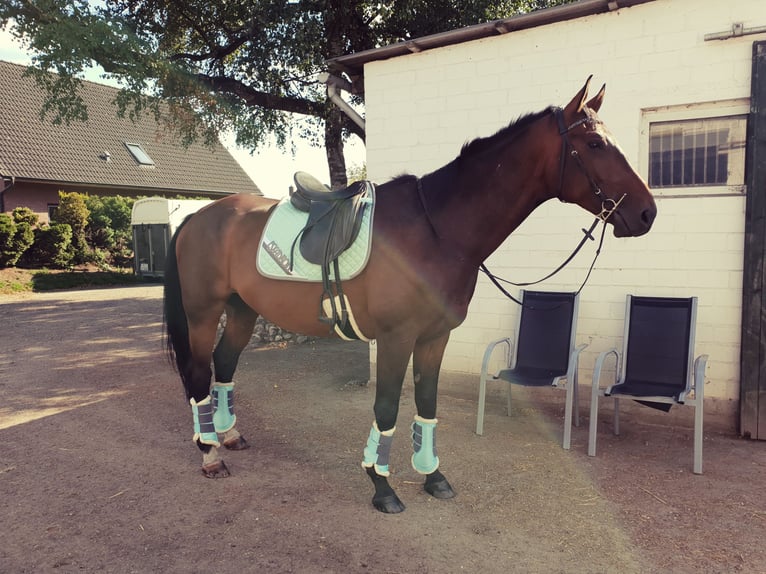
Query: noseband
x=608 y=205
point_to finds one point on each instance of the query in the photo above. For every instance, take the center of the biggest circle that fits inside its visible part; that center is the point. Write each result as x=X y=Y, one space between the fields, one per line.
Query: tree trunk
x=333 y=138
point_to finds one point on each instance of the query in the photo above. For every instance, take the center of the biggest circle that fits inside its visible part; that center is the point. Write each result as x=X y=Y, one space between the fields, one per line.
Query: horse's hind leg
x=240 y=321
x=202 y=331
x=426 y=363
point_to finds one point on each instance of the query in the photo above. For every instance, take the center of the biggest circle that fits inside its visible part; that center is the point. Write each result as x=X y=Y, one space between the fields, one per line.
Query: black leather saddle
x=335 y=217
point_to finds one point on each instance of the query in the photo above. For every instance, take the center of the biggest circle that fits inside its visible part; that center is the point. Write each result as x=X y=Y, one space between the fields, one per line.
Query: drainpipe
x=334 y=83
x=737 y=29
x=8 y=183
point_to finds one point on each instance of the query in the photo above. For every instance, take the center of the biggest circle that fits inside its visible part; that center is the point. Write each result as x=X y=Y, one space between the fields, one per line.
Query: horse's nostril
x=648 y=215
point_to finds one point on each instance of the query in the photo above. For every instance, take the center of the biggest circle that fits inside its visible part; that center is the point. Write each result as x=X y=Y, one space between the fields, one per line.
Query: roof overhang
x=124 y=189
x=353 y=64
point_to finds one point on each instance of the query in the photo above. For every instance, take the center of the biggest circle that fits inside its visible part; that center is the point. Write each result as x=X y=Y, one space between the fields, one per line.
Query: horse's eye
x=597 y=144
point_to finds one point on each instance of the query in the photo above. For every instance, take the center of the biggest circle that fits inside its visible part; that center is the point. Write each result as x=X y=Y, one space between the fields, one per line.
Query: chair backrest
x=547 y=329
x=658 y=346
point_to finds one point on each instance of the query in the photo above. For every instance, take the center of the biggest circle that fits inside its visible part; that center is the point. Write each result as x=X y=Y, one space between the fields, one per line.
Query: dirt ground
x=99 y=474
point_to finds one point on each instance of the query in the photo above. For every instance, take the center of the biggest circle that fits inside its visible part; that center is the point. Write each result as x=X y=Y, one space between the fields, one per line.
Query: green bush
x=22 y=239
x=73 y=211
x=85 y=229
x=7 y=231
x=52 y=247
x=16 y=235
x=25 y=215
x=109 y=227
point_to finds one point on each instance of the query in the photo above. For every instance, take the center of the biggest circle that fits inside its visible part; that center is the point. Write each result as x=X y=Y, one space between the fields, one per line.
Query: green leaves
x=204 y=67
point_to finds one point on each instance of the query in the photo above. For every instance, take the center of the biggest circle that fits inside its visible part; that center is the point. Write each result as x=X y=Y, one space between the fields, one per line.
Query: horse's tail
x=174 y=315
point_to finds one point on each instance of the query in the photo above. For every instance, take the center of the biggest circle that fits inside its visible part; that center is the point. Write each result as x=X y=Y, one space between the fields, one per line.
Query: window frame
x=52 y=209
x=679 y=113
x=131 y=145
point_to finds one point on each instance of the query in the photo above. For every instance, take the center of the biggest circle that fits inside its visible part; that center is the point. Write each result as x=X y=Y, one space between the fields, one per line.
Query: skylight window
x=139 y=154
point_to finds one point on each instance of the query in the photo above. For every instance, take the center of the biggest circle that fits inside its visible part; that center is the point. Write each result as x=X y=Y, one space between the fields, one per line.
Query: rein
x=608 y=207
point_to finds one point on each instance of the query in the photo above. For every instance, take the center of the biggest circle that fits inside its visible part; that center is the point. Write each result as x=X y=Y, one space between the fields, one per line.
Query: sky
x=269 y=167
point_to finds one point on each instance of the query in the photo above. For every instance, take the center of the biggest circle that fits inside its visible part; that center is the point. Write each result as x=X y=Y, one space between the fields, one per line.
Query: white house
x=676 y=71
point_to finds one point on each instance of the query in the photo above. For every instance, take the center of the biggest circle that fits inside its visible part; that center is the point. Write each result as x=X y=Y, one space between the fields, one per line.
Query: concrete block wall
x=421 y=108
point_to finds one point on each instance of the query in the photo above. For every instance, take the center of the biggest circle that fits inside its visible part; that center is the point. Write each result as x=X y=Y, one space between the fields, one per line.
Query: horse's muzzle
x=641 y=226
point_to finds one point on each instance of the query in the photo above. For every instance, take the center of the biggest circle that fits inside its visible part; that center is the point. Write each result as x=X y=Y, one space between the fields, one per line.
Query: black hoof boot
x=437 y=486
x=385 y=499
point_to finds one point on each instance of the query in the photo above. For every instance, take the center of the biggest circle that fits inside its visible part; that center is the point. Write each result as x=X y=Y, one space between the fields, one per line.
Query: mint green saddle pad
x=284 y=225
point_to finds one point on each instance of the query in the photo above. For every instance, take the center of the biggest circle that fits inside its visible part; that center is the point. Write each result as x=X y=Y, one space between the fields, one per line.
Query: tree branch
x=253 y=97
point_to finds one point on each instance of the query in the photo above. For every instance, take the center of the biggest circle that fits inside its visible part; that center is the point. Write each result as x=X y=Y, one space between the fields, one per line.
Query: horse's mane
x=443 y=177
x=518 y=126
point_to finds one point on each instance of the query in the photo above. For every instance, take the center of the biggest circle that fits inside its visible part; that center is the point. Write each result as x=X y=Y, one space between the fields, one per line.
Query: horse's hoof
x=388 y=504
x=385 y=499
x=438 y=487
x=238 y=443
x=215 y=469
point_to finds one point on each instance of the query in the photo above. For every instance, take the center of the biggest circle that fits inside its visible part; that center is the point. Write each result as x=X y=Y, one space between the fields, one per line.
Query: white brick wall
x=422 y=107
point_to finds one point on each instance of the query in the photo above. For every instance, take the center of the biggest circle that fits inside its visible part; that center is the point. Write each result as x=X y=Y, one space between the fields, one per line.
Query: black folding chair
x=658 y=368
x=544 y=353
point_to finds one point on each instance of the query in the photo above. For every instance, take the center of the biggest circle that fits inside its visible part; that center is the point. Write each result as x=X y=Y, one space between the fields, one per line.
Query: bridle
x=608 y=207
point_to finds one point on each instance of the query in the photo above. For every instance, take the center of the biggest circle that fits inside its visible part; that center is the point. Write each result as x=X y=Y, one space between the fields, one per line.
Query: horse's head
x=594 y=173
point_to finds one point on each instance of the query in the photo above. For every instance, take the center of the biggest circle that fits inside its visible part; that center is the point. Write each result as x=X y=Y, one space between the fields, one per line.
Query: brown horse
x=430 y=235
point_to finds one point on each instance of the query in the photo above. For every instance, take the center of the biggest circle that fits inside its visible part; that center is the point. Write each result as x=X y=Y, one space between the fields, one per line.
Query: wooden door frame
x=753 y=349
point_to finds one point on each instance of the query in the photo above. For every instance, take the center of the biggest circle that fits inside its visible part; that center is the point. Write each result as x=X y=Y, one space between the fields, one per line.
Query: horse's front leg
x=426 y=363
x=393 y=356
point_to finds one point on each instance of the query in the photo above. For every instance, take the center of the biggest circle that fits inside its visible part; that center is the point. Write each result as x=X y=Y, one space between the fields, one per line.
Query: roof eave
x=149 y=190
x=353 y=64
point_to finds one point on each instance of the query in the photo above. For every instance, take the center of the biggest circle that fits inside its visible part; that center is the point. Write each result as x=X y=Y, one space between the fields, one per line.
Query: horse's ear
x=578 y=102
x=597 y=100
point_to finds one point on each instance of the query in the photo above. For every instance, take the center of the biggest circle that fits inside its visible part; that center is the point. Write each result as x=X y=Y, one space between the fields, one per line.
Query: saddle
x=334 y=217
x=333 y=224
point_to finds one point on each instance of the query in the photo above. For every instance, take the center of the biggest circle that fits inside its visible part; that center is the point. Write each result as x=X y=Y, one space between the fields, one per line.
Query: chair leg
x=482 y=398
x=571 y=391
x=593 y=425
x=576 y=391
x=698 y=437
x=699 y=407
x=510 y=386
x=616 y=416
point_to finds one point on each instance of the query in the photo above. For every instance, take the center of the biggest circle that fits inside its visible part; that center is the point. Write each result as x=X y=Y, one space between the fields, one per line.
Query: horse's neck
x=483 y=202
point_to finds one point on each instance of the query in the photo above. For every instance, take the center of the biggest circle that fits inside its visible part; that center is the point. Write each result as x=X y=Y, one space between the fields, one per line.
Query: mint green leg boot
x=377 y=450
x=204 y=428
x=224 y=418
x=424 y=458
x=375 y=462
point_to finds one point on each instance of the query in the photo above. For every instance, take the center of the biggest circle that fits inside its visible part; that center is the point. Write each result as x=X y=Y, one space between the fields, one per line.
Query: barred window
x=697 y=153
